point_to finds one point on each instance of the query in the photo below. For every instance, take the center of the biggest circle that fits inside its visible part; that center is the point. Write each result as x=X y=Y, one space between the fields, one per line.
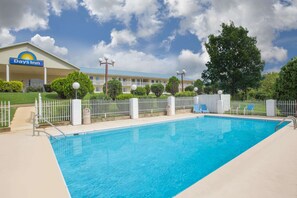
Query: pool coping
x=56 y=179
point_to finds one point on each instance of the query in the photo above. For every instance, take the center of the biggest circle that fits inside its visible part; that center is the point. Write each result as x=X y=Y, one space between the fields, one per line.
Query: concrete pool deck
x=29 y=168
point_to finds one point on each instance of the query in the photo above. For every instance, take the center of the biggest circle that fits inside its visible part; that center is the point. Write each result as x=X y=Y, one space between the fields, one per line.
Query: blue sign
x=26 y=58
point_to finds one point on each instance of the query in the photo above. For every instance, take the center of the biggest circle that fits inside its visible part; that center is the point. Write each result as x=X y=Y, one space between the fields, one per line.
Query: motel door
x=33 y=83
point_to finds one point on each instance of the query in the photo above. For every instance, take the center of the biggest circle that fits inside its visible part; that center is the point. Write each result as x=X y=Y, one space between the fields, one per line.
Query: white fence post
x=271 y=107
x=8 y=114
x=220 y=106
x=40 y=105
x=133 y=107
x=196 y=100
x=171 y=105
x=76 y=112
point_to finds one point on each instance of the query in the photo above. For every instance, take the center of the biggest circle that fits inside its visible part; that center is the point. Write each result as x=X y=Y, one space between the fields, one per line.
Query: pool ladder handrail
x=51 y=124
x=284 y=119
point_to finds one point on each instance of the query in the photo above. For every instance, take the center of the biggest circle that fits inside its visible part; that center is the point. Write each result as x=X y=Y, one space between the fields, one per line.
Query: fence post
x=196 y=100
x=220 y=106
x=40 y=105
x=76 y=112
x=36 y=111
x=171 y=105
x=270 y=107
x=133 y=107
x=8 y=113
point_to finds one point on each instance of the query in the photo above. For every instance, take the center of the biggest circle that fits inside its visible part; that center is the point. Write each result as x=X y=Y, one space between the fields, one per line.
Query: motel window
x=124 y=79
x=153 y=81
x=133 y=80
x=97 y=78
x=91 y=77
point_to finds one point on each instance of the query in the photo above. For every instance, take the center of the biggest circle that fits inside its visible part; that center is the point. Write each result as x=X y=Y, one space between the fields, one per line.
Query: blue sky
x=156 y=36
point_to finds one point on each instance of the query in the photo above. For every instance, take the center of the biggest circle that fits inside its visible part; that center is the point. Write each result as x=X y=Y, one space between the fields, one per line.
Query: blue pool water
x=158 y=160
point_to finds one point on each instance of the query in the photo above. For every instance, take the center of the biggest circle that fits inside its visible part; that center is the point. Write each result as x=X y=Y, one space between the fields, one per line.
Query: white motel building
x=35 y=67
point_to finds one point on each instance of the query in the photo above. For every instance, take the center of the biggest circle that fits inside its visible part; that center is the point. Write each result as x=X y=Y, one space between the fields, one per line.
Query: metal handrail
x=284 y=119
x=35 y=126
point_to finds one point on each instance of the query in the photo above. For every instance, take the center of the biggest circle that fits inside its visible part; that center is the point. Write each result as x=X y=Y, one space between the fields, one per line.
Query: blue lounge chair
x=249 y=108
x=203 y=108
x=196 y=108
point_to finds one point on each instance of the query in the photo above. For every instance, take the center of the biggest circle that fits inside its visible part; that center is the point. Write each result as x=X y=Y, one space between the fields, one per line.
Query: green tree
x=286 y=84
x=86 y=85
x=114 y=88
x=189 y=88
x=173 y=85
x=267 y=85
x=199 y=84
x=58 y=86
x=157 y=89
x=235 y=61
x=147 y=89
x=140 y=91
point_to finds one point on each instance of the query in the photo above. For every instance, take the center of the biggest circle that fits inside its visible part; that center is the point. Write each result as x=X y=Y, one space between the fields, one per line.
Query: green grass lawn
x=25 y=98
x=29 y=98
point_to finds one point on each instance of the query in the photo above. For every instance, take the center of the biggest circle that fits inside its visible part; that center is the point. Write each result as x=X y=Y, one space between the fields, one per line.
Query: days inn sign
x=26 y=58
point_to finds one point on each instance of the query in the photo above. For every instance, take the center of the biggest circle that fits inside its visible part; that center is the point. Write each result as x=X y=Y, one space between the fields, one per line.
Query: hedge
x=124 y=96
x=185 y=94
x=140 y=91
x=34 y=89
x=11 y=86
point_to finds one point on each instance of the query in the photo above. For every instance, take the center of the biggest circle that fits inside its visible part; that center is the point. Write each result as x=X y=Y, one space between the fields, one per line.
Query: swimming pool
x=157 y=160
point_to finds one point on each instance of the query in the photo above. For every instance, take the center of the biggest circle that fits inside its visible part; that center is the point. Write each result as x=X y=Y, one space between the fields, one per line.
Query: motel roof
x=127 y=73
x=44 y=51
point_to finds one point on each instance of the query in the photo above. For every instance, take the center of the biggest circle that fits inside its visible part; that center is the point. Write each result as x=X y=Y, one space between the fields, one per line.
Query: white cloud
x=146 y=13
x=25 y=14
x=122 y=37
x=167 y=42
x=263 y=19
x=131 y=60
x=58 y=5
x=31 y=14
x=5 y=37
x=48 y=43
x=194 y=63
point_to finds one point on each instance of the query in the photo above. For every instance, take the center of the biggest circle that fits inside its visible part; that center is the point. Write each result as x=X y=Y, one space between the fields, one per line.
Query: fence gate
x=286 y=108
x=53 y=110
x=5 y=114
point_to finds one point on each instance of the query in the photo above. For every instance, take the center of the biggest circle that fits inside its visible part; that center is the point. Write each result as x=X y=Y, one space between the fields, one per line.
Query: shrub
x=47 y=88
x=58 y=86
x=140 y=91
x=185 y=94
x=100 y=96
x=12 y=86
x=16 y=86
x=5 y=87
x=157 y=89
x=86 y=85
x=172 y=85
x=190 y=88
x=114 y=88
x=34 y=89
x=124 y=96
x=147 y=89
